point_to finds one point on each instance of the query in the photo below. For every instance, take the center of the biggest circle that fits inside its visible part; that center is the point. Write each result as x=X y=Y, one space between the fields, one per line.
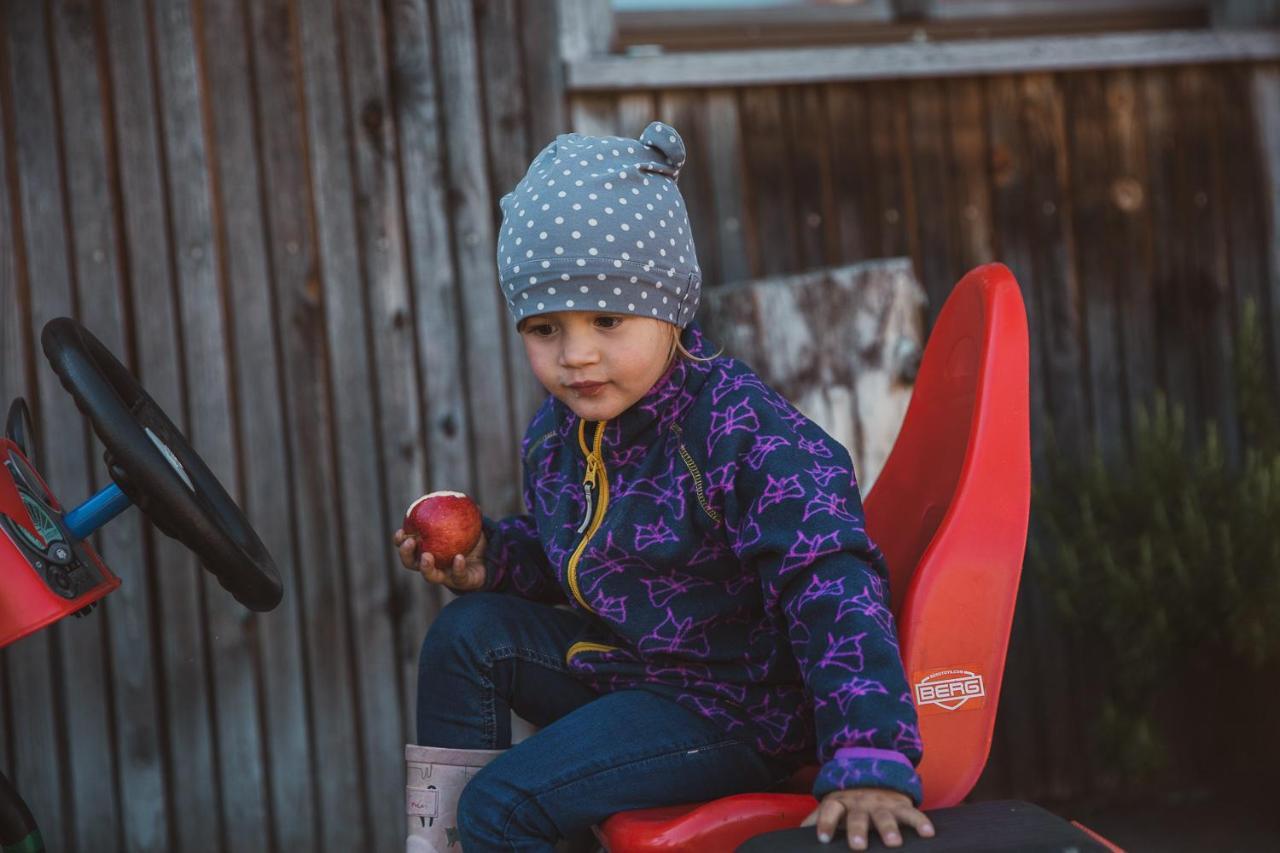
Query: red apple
x=445 y=524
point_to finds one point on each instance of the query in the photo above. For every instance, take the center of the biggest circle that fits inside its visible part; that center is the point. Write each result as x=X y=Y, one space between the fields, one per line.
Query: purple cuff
x=876 y=754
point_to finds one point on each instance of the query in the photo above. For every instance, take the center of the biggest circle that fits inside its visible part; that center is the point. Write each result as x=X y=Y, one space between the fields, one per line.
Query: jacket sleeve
x=796 y=517
x=515 y=560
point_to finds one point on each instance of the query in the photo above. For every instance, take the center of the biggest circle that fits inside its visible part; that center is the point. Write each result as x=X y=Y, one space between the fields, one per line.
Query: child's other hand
x=861 y=807
x=465 y=574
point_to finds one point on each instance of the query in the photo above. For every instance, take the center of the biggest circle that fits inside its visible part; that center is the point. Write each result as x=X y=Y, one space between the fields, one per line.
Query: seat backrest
x=950 y=512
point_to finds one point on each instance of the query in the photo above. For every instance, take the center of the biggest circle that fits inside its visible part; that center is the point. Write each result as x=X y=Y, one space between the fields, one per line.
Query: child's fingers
x=427 y=565
x=458 y=570
x=398 y=537
x=405 y=551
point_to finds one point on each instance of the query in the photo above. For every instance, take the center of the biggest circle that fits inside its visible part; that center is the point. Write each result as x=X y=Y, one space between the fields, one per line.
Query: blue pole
x=96 y=511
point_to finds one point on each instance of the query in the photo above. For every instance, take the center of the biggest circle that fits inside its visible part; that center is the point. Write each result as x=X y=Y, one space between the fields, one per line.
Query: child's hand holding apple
x=442 y=538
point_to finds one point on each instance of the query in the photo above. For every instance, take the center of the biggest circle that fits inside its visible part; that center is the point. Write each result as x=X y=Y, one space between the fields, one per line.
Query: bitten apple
x=445 y=524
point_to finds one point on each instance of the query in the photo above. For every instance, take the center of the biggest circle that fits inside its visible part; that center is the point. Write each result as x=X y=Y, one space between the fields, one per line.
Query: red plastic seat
x=950 y=512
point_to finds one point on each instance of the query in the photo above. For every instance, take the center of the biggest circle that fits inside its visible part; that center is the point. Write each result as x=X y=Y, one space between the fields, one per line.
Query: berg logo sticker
x=949 y=690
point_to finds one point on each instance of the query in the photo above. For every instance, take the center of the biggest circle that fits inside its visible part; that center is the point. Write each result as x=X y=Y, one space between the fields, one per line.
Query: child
x=726 y=619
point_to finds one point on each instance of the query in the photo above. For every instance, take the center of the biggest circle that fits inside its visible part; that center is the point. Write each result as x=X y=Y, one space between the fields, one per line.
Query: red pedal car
x=49 y=570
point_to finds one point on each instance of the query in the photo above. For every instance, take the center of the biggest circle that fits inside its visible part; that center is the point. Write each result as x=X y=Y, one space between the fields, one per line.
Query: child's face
x=625 y=352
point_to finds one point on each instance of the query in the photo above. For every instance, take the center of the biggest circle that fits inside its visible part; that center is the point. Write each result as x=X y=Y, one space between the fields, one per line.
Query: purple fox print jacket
x=716 y=535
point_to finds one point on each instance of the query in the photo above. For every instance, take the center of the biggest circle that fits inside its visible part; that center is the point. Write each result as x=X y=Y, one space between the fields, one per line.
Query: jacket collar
x=662 y=405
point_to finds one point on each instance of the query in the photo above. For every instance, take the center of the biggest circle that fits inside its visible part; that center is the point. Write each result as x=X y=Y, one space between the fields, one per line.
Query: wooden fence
x=281 y=213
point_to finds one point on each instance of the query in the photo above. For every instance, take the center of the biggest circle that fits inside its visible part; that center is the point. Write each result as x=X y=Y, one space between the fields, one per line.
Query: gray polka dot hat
x=597 y=224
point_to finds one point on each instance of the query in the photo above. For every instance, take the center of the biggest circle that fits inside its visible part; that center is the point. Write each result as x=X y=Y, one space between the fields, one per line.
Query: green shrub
x=1166 y=557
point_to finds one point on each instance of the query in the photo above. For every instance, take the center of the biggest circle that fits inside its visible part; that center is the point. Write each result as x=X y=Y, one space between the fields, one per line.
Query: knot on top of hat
x=667 y=142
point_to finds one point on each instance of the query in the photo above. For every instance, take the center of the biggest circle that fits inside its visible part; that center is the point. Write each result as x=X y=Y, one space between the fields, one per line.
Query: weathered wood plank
x=1265 y=100
x=1011 y=199
x=87 y=144
x=497 y=22
x=724 y=155
x=31 y=730
x=437 y=325
x=852 y=173
x=594 y=115
x=1095 y=218
x=888 y=136
x=967 y=58
x=1206 y=287
x=1130 y=193
x=380 y=231
x=543 y=72
x=334 y=741
x=1176 y=367
x=259 y=424
x=853 y=373
x=150 y=256
x=810 y=158
x=483 y=314
x=1239 y=162
x=260 y=419
x=1052 y=245
x=231 y=693
x=636 y=110
x=972 y=240
x=769 y=192
x=684 y=111
x=359 y=586
x=83 y=737
x=931 y=181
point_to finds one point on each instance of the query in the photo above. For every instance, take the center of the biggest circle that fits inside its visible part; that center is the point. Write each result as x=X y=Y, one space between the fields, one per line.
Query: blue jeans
x=594 y=755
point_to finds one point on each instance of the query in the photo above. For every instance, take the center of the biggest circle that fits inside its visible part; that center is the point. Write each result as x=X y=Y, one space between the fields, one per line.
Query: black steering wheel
x=154 y=465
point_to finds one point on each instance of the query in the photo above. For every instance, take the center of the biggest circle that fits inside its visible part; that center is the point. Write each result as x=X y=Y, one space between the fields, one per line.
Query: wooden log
x=259 y=423
x=842 y=344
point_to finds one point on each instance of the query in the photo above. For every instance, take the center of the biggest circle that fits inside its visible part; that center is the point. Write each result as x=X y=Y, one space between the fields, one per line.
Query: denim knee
x=493 y=815
x=460 y=623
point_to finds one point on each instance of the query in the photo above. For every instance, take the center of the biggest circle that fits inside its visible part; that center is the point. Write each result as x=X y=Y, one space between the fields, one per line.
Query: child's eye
x=540 y=330
x=613 y=322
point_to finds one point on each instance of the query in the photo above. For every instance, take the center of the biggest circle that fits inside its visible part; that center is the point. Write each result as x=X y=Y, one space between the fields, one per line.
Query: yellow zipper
x=596 y=477
x=585 y=646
